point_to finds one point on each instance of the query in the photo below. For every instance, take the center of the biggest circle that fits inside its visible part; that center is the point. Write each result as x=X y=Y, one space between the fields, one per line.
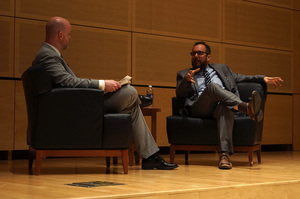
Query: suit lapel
x=66 y=66
x=221 y=74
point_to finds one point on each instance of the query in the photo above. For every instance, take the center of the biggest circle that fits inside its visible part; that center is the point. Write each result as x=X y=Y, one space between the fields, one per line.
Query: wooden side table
x=151 y=111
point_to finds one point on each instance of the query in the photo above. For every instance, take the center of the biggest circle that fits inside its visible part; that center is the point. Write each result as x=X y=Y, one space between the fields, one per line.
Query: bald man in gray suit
x=118 y=99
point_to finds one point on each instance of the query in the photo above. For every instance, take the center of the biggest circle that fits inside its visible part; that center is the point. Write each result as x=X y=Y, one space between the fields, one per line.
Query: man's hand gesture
x=273 y=80
x=190 y=74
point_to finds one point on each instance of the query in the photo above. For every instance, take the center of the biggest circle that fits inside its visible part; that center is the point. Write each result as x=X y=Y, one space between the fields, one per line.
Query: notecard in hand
x=125 y=80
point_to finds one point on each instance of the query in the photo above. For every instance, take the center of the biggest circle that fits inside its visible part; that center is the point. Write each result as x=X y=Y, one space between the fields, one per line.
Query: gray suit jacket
x=59 y=71
x=188 y=90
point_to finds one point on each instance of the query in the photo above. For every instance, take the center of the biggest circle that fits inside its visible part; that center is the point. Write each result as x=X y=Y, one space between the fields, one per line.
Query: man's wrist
x=102 y=85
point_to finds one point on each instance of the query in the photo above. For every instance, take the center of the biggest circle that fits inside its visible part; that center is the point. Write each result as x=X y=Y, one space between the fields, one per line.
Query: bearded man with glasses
x=210 y=90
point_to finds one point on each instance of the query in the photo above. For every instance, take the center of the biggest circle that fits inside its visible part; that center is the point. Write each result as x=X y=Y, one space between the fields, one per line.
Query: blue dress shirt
x=201 y=81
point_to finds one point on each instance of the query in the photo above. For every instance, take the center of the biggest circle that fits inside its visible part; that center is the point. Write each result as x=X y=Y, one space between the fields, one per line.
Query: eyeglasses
x=193 y=53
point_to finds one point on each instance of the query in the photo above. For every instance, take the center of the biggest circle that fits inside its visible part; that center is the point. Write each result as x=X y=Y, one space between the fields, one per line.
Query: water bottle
x=150 y=93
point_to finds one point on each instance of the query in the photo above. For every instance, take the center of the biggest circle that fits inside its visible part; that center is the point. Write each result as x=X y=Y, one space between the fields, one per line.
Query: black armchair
x=196 y=134
x=70 y=122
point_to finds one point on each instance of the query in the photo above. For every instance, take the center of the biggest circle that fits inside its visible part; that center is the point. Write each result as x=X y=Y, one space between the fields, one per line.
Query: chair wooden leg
x=187 y=157
x=172 y=154
x=107 y=162
x=258 y=153
x=38 y=161
x=115 y=160
x=137 y=157
x=31 y=156
x=131 y=154
x=125 y=161
x=250 y=157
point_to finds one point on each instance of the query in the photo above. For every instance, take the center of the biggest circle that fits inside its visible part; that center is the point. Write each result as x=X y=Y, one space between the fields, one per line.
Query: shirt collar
x=208 y=69
x=55 y=49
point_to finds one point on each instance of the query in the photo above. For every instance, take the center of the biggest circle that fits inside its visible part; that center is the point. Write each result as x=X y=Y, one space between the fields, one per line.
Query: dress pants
x=218 y=103
x=126 y=100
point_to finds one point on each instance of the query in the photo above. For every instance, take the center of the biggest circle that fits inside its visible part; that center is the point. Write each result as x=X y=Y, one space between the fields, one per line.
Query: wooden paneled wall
x=151 y=40
x=7 y=91
x=295 y=76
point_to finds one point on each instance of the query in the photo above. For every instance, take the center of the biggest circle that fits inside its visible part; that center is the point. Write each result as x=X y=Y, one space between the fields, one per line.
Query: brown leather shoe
x=224 y=162
x=254 y=107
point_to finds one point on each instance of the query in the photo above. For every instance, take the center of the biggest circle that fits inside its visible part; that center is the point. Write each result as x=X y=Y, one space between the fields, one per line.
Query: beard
x=197 y=63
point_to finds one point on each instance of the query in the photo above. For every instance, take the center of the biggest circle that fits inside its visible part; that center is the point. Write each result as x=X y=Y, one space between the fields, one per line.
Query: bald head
x=58 y=31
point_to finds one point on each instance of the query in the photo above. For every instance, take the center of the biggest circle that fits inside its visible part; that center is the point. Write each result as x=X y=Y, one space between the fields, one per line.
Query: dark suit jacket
x=188 y=90
x=59 y=71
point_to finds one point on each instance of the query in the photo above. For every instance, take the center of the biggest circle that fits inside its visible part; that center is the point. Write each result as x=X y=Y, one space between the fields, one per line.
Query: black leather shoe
x=146 y=101
x=157 y=163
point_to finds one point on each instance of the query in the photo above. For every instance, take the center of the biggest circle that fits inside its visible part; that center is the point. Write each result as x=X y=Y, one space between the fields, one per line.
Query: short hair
x=207 y=47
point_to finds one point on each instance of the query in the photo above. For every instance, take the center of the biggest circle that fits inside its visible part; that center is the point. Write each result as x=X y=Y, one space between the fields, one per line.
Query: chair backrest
x=35 y=81
x=61 y=118
x=245 y=90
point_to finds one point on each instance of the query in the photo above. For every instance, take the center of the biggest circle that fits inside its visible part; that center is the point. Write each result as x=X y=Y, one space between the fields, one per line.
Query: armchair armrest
x=69 y=118
x=117 y=131
x=246 y=88
x=177 y=104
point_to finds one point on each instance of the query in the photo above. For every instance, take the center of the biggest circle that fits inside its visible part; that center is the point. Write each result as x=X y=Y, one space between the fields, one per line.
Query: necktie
x=206 y=77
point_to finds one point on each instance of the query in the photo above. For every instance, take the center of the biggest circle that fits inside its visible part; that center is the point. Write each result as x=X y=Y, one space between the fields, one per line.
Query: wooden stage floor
x=277 y=177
